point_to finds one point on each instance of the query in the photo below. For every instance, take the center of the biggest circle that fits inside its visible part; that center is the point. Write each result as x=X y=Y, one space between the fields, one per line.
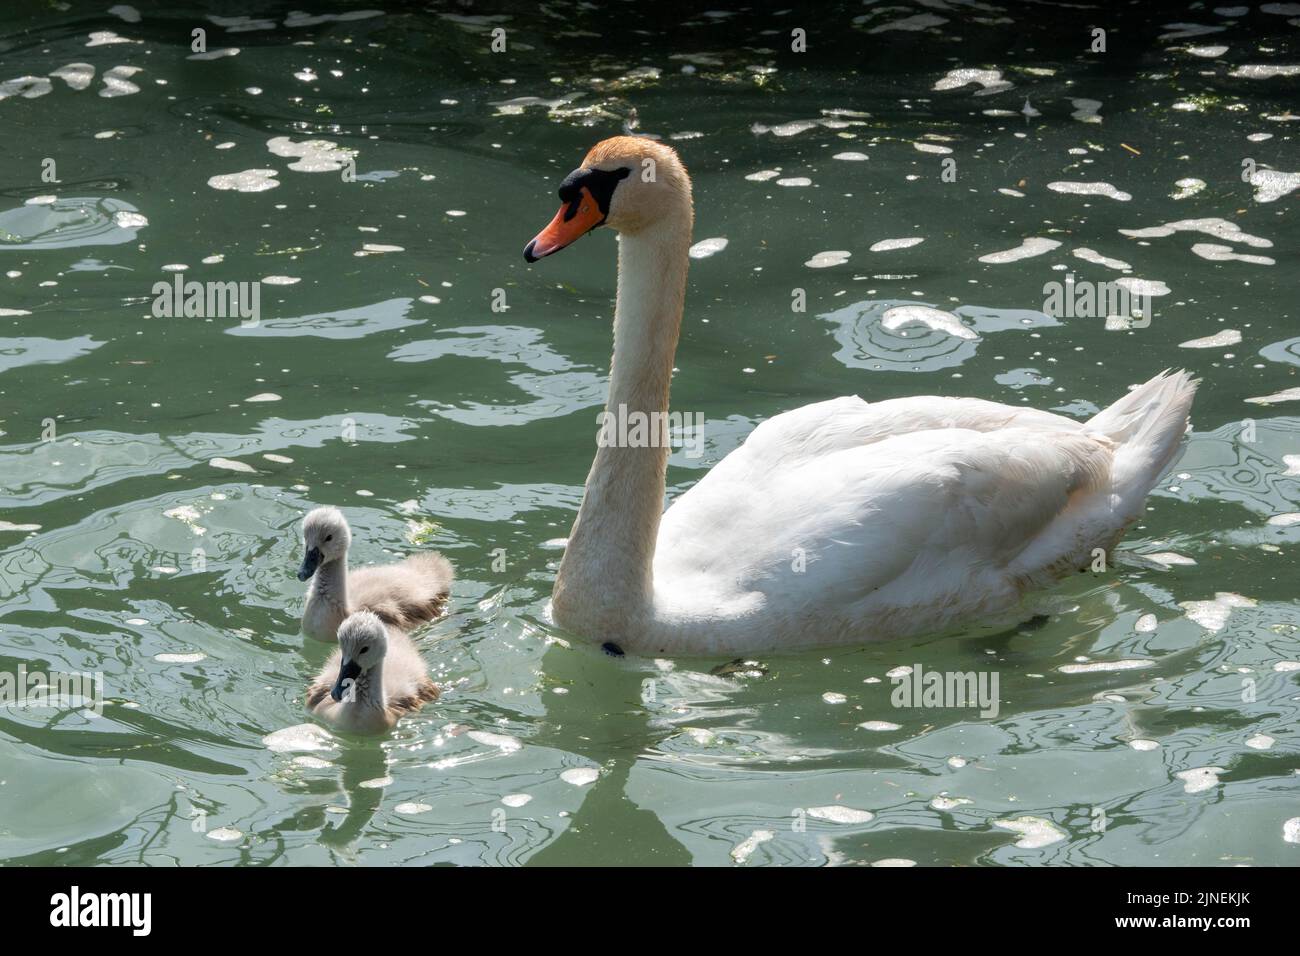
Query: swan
x=374 y=678
x=841 y=522
x=405 y=594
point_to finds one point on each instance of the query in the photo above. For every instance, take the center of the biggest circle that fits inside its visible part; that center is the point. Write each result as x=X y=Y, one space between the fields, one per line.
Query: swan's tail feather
x=1147 y=424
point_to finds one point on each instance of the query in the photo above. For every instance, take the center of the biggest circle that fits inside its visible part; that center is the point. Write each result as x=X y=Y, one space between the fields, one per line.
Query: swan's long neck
x=607 y=569
x=330 y=583
x=370 y=688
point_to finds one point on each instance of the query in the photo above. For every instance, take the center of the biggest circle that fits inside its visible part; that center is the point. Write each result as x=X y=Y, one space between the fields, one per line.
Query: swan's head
x=325 y=538
x=363 y=642
x=628 y=183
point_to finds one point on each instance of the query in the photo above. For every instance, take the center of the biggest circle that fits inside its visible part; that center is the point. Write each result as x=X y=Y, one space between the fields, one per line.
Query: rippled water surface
x=154 y=537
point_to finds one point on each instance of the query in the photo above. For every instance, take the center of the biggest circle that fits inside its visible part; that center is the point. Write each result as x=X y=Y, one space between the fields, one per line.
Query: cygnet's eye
x=365 y=649
x=329 y=537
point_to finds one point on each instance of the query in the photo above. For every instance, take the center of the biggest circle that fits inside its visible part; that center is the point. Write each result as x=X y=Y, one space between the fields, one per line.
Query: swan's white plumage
x=847 y=521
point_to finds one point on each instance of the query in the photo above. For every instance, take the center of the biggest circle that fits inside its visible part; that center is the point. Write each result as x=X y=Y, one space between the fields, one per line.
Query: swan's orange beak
x=574 y=220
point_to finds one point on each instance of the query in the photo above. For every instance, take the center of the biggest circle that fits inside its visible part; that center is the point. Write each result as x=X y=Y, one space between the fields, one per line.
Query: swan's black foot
x=612 y=649
x=739 y=668
x=1035 y=622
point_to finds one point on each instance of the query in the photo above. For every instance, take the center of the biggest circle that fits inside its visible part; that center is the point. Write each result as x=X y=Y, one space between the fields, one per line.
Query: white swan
x=374 y=679
x=837 y=523
x=405 y=594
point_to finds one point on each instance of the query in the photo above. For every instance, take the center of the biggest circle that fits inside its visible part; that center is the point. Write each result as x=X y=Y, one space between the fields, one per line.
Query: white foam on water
x=1016 y=193
x=1035 y=246
x=280 y=280
x=248 y=181
x=278 y=459
x=263 y=397
x=937 y=319
x=503 y=742
x=311 y=763
x=824 y=260
x=1216 y=341
x=1199 y=779
x=117 y=81
x=516 y=799
x=580 y=776
x=894 y=861
x=763 y=175
x=932 y=148
x=1093 y=667
x=28 y=87
x=1217 y=253
x=1213 y=615
x=1209 y=52
x=1286 y=667
x=900 y=671
x=990 y=80
x=1095 y=257
x=376 y=249
x=1085 y=110
x=311 y=155
x=129 y=220
x=229 y=464
x=77 y=75
x=743 y=850
x=880 y=726
x=1169 y=558
x=1142 y=287
x=888 y=245
x=794 y=181
x=225 y=835
x=1265 y=71
x=376 y=783
x=215 y=54
x=707 y=247
x=1090 y=189
x=1271 y=184
x=411 y=808
x=1144 y=745
x=1035 y=832
x=300 y=738
x=192 y=658
x=834 y=697
x=1211 y=226
x=943 y=802
x=1188 y=186
x=1288 y=518
x=957 y=762
x=1260 y=742
x=1146 y=624
x=849 y=157
x=108 y=38
x=840 y=814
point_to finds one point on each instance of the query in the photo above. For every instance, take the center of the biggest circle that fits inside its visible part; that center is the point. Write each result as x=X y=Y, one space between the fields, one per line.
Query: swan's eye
x=365 y=649
x=329 y=537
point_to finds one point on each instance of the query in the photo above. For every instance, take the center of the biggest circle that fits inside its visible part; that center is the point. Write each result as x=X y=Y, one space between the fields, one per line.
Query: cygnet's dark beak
x=309 y=564
x=348 y=673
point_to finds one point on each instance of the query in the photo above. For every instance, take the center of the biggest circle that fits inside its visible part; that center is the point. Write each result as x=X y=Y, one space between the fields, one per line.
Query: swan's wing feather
x=922 y=510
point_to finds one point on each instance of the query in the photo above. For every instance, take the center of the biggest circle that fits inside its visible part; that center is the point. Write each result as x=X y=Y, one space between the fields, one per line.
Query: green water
x=450 y=425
